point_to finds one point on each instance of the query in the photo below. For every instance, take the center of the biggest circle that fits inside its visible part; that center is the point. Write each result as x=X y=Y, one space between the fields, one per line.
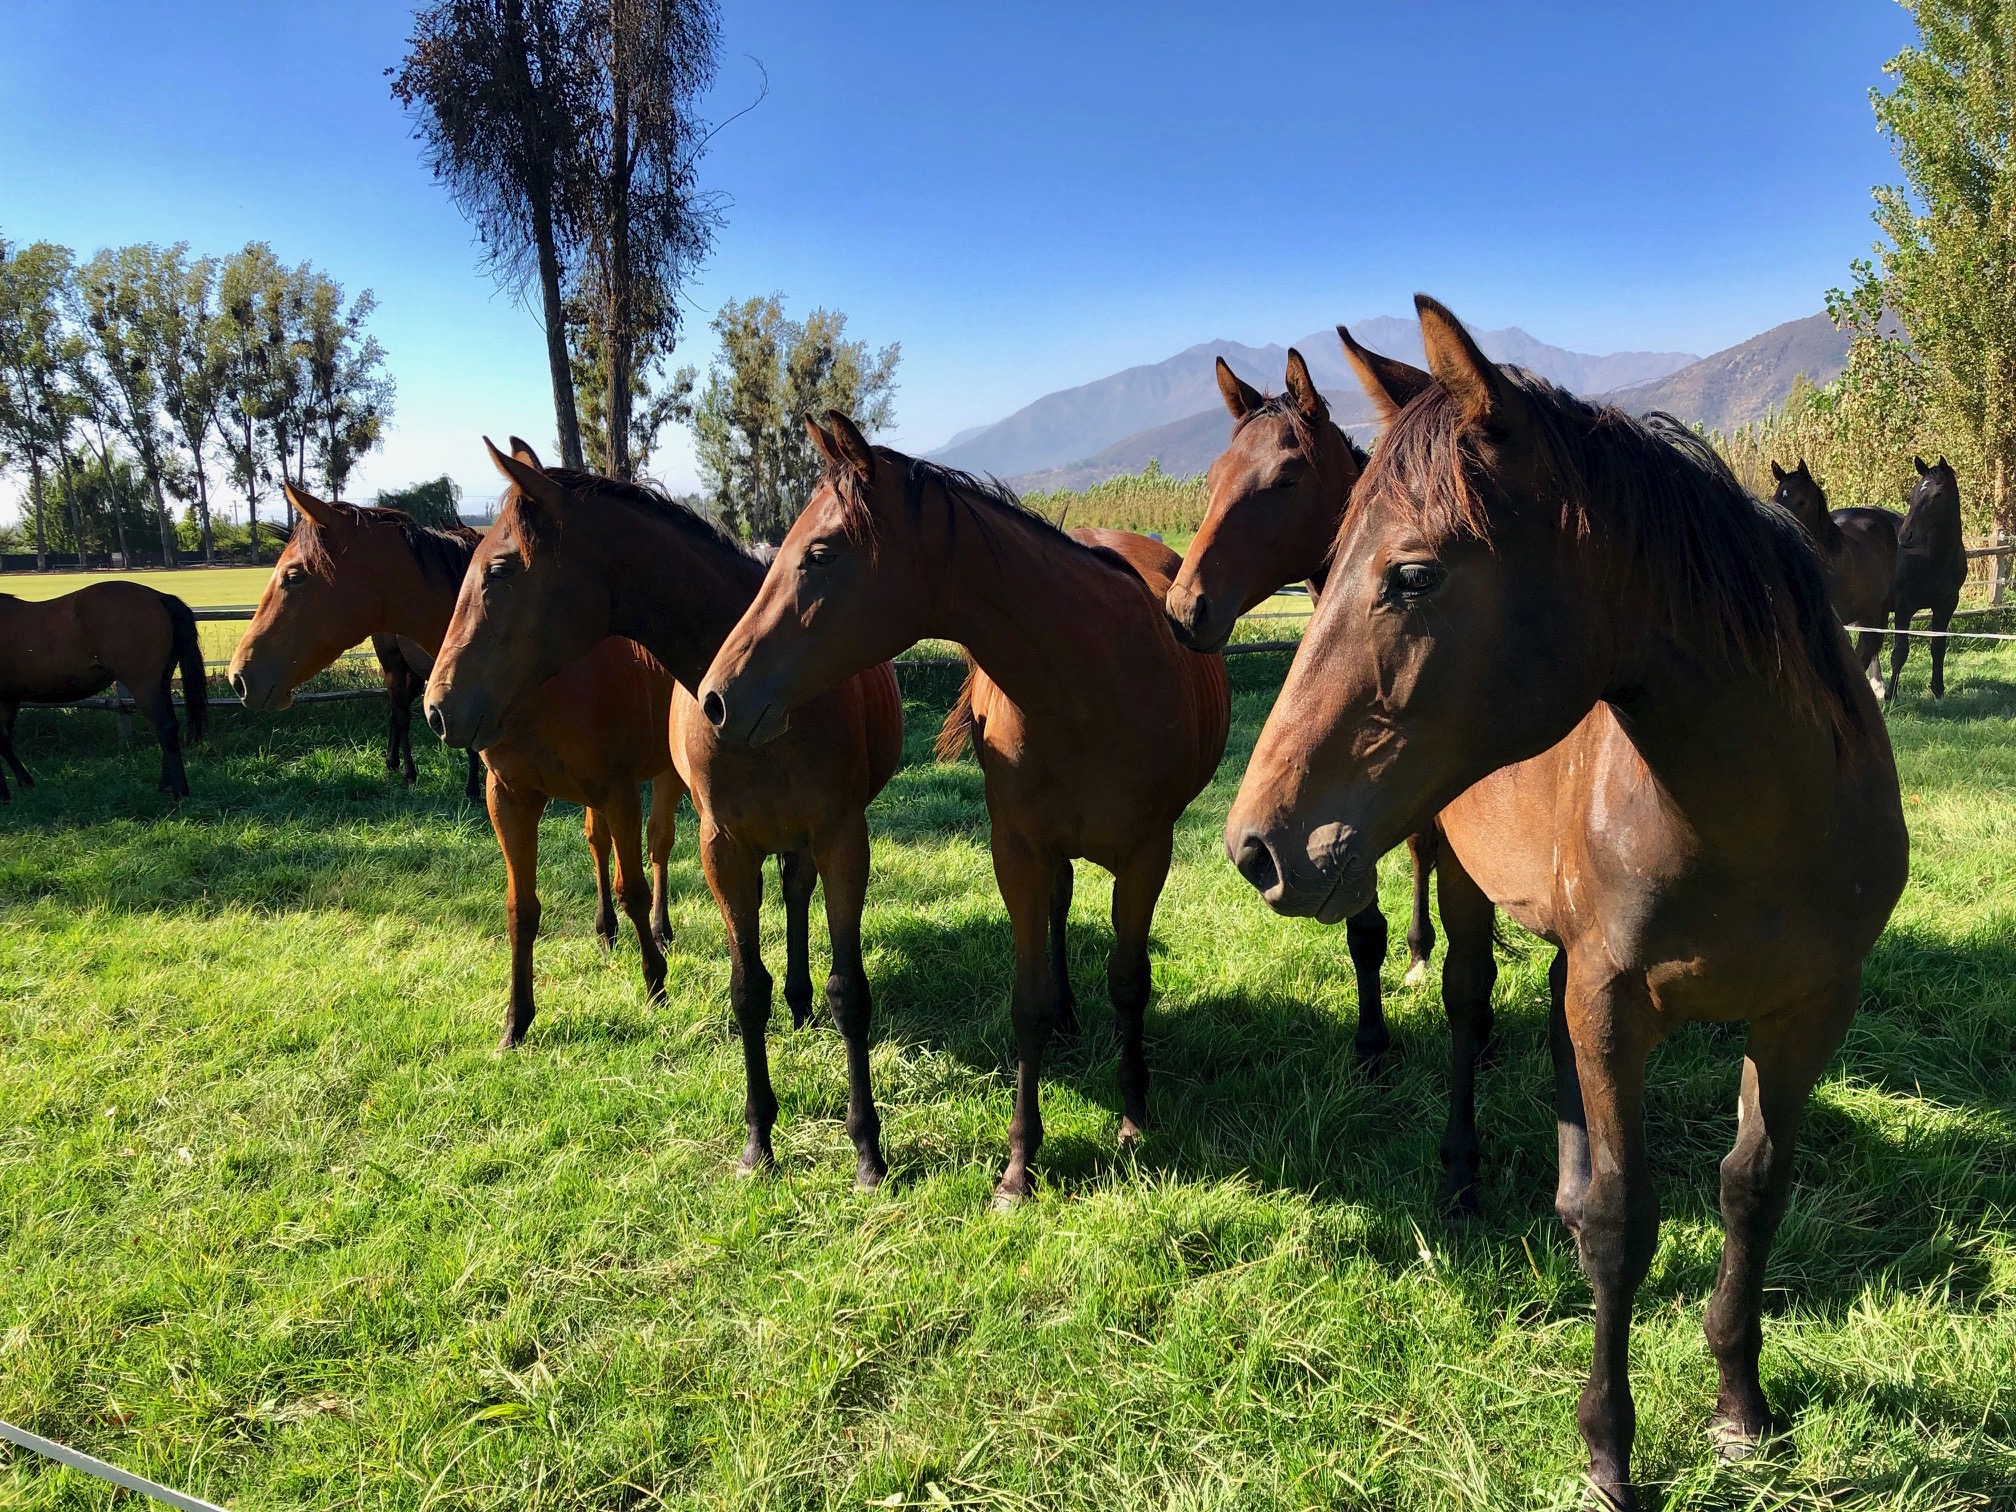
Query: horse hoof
x=1416 y=974
x=755 y=1162
x=1611 y=1499
x=1735 y=1441
x=1009 y=1196
x=1372 y=1053
x=870 y=1173
x=1130 y=1134
x=1460 y=1203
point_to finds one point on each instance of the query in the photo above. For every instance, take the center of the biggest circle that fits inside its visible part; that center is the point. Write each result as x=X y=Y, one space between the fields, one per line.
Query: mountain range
x=1170 y=411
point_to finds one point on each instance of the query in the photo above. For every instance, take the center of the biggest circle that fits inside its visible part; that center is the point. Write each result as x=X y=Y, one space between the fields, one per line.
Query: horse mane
x=594 y=488
x=442 y=554
x=1733 y=578
x=1285 y=407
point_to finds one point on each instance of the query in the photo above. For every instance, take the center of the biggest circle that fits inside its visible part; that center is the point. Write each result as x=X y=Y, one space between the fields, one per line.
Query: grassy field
x=278 y=1227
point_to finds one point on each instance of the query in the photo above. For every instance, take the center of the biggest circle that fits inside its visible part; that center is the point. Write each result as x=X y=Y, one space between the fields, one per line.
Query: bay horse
x=1616 y=678
x=1094 y=729
x=594 y=735
x=1277 y=495
x=1931 y=567
x=75 y=646
x=574 y=558
x=404 y=666
x=1858 y=557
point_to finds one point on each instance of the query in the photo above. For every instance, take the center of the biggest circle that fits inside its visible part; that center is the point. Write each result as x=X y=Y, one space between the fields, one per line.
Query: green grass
x=278 y=1227
x=198 y=587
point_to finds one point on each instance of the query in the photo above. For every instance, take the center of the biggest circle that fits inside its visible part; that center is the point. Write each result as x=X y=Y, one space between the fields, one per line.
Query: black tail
x=189 y=656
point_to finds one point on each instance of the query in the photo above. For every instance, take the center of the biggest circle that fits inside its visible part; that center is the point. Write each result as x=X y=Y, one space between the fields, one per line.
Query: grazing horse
x=594 y=734
x=574 y=557
x=1615 y=677
x=62 y=649
x=1093 y=727
x=1931 y=567
x=1277 y=495
x=1858 y=556
x=404 y=665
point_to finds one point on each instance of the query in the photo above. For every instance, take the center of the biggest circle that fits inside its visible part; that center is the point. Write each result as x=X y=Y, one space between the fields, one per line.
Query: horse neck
x=416 y=603
x=674 y=590
x=1031 y=606
x=1934 y=521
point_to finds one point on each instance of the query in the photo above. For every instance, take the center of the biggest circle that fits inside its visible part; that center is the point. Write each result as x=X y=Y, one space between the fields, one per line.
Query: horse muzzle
x=460 y=720
x=1325 y=875
x=260 y=692
x=1193 y=619
x=742 y=716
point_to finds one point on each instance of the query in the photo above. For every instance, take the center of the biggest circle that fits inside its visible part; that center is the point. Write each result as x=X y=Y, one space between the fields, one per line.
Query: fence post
x=1998 y=568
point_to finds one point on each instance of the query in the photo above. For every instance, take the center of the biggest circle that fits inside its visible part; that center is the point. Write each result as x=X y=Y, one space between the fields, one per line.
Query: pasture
x=276 y=1226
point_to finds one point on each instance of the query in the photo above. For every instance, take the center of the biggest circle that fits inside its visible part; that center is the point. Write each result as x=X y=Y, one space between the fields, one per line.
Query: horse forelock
x=1722 y=572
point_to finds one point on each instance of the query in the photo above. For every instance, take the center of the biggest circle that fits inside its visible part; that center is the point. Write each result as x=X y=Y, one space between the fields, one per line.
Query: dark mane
x=1733 y=578
x=593 y=488
x=442 y=554
x=1286 y=408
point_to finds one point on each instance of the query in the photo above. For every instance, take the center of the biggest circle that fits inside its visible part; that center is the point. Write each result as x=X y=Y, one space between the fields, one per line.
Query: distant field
x=198 y=587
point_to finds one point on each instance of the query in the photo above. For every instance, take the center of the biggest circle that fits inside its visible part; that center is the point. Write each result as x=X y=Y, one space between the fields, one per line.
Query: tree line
x=145 y=376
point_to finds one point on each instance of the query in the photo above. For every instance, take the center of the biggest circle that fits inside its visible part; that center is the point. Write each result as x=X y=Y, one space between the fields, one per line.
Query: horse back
x=74 y=645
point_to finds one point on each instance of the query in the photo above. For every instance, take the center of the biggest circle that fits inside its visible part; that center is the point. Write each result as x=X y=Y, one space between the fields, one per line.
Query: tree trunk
x=70 y=493
x=252 y=486
x=35 y=495
x=618 y=341
x=167 y=525
x=203 y=508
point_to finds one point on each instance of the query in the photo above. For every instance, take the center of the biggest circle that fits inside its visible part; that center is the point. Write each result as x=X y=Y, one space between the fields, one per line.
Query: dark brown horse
x=1617 y=679
x=1858 y=555
x=404 y=665
x=573 y=558
x=1093 y=727
x=594 y=735
x=1278 y=493
x=63 y=649
x=1931 y=567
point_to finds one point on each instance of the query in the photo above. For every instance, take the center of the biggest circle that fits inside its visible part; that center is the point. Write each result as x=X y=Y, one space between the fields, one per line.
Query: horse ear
x=1803 y=470
x=828 y=447
x=312 y=507
x=1387 y=383
x=1777 y=472
x=1919 y=463
x=1465 y=373
x=522 y=450
x=1302 y=388
x=1241 y=398
x=854 y=447
x=530 y=479
x=1944 y=463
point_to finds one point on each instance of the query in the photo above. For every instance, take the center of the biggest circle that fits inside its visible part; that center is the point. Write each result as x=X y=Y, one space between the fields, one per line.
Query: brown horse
x=404 y=665
x=1931 y=567
x=591 y=738
x=1278 y=493
x=1616 y=678
x=1858 y=555
x=1094 y=729
x=573 y=558
x=62 y=649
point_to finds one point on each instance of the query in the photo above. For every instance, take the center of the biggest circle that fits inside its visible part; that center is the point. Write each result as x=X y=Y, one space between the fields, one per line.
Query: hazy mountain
x=1076 y=424
x=1738 y=384
x=1183 y=447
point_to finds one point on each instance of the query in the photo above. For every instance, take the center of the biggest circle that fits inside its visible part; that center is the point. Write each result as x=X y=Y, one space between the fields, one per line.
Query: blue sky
x=1026 y=196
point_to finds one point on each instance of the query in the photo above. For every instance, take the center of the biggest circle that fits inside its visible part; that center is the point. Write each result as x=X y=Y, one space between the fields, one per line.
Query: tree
x=493 y=98
x=431 y=503
x=37 y=411
x=121 y=303
x=749 y=423
x=645 y=223
x=1948 y=271
x=239 y=351
x=192 y=375
x=655 y=401
x=349 y=393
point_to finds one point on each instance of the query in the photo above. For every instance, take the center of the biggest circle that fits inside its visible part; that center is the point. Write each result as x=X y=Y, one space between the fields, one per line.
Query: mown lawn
x=278 y=1227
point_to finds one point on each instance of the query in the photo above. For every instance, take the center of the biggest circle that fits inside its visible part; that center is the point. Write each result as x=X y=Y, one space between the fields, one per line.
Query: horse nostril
x=1256 y=864
x=715 y=708
x=437 y=721
x=1199 y=612
x=238 y=685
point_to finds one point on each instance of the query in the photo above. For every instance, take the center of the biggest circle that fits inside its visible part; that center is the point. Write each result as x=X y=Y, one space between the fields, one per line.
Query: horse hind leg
x=596 y=825
x=1941 y=618
x=1785 y=1057
x=1469 y=971
x=1423 y=850
x=625 y=818
x=159 y=707
x=1900 y=649
x=660 y=831
x=1129 y=979
x=1027 y=880
x=798 y=876
x=7 y=754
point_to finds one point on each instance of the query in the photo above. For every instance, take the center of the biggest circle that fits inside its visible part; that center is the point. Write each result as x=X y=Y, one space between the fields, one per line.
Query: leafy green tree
x=770 y=374
x=1948 y=270
x=241 y=354
x=37 y=408
x=657 y=398
x=349 y=393
x=121 y=294
x=434 y=503
x=184 y=309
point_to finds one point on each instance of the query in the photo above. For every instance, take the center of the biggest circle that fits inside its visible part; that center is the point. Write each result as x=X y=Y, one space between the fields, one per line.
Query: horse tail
x=189 y=656
x=957 y=731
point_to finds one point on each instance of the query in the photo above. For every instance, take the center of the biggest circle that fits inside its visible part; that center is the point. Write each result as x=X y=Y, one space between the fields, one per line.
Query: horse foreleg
x=1468 y=973
x=515 y=817
x=1423 y=850
x=1365 y=935
x=1785 y=1057
x=659 y=833
x=1941 y=618
x=1571 y=1124
x=799 y=876
x=596 y=826
x=1610 y=1025
x=736 y=878
x=8 y=711
x=1136 y=889
x=472 y=788
x=1900 y=648
x=843 y=870
x=625 y=816
x=1027 y=880
x=1060 y=950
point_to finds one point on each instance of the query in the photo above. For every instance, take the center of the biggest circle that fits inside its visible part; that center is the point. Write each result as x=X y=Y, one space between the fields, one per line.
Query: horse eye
x=1413 y=580
x=819 y=553
x=499 y=568
x=292 y=575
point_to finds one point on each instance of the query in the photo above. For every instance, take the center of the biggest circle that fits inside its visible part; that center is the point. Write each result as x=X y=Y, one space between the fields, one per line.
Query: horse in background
x=404 y=666
x=62 y=649
x=1858 y=557
x=1094 y=729
x=1277 y=496
x=1617 y=680
x=597 y=732
x=1931 y=567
